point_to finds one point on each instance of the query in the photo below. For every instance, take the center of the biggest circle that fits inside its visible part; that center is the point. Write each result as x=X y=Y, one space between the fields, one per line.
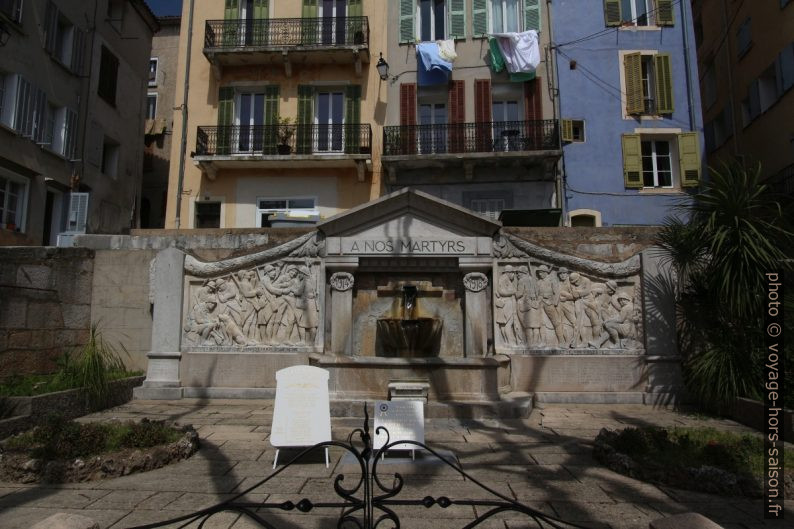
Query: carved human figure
x=565 y=305
x=232 y=330
x=506 y=306
x=292 y=285
x=528 y=305
x=620 y=327
x=203 y=326
x=549 y=294
x=267 y=301
x=608 y=306
x=306 y=304
x=246 y=281
x=588 y=320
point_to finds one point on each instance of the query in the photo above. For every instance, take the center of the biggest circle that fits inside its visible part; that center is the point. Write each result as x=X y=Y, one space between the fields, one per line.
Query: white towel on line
x=520 y=50
x=446 y=49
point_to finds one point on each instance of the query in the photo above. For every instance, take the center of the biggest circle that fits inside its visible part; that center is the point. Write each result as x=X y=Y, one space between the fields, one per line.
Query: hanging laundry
x=446 y=50
x=519 y=50
x=520 y=77
x=497 y=61
x=431 y=69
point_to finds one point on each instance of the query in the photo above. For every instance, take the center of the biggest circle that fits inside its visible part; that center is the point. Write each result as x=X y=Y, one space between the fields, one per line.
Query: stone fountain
x=409 y=336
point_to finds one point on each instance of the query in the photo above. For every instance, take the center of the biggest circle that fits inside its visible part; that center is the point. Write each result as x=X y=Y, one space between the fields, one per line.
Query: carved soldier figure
x=608 y=303
x=528 y=306
x=202 y=325
x=621 y=326
x=585 y=307
x=506 y=306
x=268 y=305
x=246 y=282
x=306 y=303
x=565 y=304
x=549 y=293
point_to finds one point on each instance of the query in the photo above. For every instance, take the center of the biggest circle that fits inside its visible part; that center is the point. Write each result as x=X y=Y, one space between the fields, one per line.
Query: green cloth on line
x=497 y=61
x=520 y=77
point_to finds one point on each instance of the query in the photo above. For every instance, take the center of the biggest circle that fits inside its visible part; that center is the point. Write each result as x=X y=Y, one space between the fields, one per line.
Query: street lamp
x=383 y=68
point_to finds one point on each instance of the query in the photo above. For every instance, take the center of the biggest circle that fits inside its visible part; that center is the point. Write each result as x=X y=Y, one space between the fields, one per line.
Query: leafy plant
x=93 y=365
x=285 y=130
x=735 y=232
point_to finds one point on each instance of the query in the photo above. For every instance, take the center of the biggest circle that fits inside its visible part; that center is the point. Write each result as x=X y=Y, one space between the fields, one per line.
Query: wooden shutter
x=531 y=15
x=78 y=212
x=457 y=19
x=309 y=26
x=305 y=118
x=533 y=107
x=78 y=53
x=689 y=158
x=632 y=160
x=407 y=27
x=407 y=139
x=664 y=83
x=225 y=119
x=261 y=9
x=354 y=8
x=482 y=114
x=309 y=9
x=271 y=119
x=612 y=13
x=664 y=12
x=632 y=69
x=70 y=135
x=230 y=11
x=50 y=27
x=457 y=115
x=352 y=118
x=479 y=17
x=566 y=127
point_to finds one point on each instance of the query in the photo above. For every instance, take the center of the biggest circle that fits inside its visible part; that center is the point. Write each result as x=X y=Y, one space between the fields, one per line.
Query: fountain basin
x=410 y=338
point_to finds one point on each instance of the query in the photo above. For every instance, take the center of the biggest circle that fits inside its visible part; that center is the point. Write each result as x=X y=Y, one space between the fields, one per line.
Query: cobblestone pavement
x=544 y=461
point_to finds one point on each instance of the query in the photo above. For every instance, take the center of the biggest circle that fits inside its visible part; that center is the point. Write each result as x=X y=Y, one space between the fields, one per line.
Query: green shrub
x=147 y=433
x=94 y=363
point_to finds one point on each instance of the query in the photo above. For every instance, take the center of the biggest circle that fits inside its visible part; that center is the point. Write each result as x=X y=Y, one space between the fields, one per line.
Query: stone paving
x=544 y=461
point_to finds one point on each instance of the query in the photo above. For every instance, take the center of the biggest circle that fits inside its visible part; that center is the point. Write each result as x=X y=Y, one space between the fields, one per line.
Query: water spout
x=409 y=301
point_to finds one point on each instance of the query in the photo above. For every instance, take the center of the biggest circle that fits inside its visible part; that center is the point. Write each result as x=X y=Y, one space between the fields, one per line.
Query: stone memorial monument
x=406 y=287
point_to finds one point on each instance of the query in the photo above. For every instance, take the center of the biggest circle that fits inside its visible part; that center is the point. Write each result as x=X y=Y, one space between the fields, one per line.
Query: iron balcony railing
x=452 y=138
x=324 y=32
x=266 y=140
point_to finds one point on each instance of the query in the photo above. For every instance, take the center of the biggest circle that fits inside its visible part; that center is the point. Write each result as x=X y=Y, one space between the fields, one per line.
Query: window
x=108 y=73
x=64 y=136
x=329 y=117
x=208 y=214
x=432 y=116
x=13 y=201
x=505 y=16
x=429 y=20
x=649 y=83
x=583 y=221
x=744 y=37
x=572 y=130
x=115 y=13
x=8 y=88
x=718 y=130
x=12 y=9
x=506 y=111
x=153 y=72
x=639 y=12
x=78 y=213
x=294 y=207
x=151 y=106
x=110 y=157
x=63 y=41
x=661 y=161
x=768 y=88
x=249 y=116
x=488 y=203
x=432 y=15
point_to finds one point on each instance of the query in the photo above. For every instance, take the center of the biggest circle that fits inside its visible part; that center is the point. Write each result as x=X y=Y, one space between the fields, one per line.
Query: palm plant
x=735 y=232
x=94 y=363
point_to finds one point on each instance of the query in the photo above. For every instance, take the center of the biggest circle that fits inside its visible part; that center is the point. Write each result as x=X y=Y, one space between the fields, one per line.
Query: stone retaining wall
x=45 y=305
x=611 y=245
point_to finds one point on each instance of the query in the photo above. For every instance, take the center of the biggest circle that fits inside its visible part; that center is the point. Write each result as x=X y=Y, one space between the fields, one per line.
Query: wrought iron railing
x=321 y=32
x=369 y=500
x=495 y=136
x=348 y=138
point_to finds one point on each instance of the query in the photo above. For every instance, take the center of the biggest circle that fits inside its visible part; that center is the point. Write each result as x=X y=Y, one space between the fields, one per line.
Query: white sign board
x=404 y=419
x=302 y=413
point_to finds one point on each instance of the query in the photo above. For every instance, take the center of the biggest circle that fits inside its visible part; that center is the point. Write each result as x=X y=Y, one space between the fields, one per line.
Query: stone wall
x=45 y=306
x=610 y=245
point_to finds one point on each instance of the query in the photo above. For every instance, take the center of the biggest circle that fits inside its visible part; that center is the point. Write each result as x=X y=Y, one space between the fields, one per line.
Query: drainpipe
x=732 y=98
x=183 y=143
x=685 y=31
x=554 y=79
x=85 y=100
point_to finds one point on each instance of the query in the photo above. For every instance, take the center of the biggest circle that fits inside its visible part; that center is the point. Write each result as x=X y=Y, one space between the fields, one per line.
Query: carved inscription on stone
x=410 y=246
x=341 y=281
x=475 y=281
x=540 y=306
x=273 y=305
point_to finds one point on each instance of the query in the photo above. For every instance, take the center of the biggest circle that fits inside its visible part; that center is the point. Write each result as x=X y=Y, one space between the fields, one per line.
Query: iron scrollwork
x=369 y=502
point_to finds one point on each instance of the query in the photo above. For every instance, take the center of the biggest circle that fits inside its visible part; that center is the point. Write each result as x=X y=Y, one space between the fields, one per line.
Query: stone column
x=341 y=283
x=162 y=374
x=478 y=304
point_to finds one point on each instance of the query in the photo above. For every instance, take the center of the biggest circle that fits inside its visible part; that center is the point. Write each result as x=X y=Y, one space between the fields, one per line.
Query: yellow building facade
x=283 y=112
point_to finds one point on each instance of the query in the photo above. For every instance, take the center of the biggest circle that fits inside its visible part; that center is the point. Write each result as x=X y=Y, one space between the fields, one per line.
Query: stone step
x=512 y=406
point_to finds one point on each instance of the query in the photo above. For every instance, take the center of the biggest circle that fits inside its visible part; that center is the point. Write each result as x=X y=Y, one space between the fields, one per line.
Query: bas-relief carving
x=539 y=305
x=272 y=305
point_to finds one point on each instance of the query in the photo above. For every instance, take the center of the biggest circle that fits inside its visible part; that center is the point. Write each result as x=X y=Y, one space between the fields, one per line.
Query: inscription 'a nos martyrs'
x=408 y=246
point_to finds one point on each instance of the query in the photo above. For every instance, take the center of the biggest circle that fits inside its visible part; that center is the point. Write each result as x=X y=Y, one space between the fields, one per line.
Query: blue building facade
x=630 y=109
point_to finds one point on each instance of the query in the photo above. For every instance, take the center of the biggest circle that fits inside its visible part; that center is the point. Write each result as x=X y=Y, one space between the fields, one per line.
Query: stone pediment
x=409 y=222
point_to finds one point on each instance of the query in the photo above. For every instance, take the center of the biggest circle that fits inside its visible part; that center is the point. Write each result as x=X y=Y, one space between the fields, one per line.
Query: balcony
x=325 y=40
x=495 y=143
x=283 y=146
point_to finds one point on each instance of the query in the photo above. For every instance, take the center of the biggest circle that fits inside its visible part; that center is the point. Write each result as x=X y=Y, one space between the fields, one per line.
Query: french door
x=507 y=131
x=250 y=116
x=433 y=132
x=332 y=15
x=329 y=118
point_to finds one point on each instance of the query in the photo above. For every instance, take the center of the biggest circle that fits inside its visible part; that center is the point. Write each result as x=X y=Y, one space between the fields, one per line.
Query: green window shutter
x=407 y=28
x=230 y=11
x=632 y=68
x=309 y=9
x=531 y=15
x=664 y=83
x=566 y=126
x=309 y=27
x=632 y=160
x=261 y=8
x=225 y=118
x=231 y=30
x=305 y=118
x=479 y=17
x=689 y=158
x=612 y=13
x=354 y=8
x=271 y=119
x=457 y=19
x=352 y=118
x=664 y=12
x=261 y=24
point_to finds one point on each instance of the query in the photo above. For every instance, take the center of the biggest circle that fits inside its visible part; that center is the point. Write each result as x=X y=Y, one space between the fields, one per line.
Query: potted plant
x=285 y=132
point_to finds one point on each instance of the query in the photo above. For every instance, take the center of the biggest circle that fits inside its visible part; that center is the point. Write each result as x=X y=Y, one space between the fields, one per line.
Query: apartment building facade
x=745 y=55
x=159 y=125
x=484 y=139
x=72 y=85
x=283 y=102
x=629 y=108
